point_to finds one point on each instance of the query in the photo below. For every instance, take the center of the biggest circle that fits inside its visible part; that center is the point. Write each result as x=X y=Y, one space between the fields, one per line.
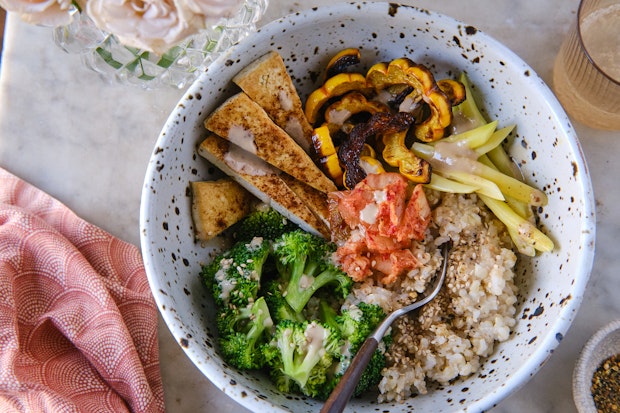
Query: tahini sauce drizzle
x=453 y=156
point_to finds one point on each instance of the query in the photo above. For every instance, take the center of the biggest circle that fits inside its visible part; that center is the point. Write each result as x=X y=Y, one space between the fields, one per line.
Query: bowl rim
x=568 y=312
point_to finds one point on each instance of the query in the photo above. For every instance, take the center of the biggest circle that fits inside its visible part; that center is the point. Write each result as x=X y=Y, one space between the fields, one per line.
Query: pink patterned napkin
x=78 y=323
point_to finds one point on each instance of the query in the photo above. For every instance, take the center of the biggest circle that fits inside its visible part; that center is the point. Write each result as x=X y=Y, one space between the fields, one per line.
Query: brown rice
x=450 y=336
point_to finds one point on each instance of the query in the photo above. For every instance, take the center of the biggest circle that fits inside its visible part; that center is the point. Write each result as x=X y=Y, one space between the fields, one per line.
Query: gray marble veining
x=88 y=143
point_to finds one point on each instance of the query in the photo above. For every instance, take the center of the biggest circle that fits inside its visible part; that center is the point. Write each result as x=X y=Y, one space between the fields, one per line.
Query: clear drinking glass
x=586 y=75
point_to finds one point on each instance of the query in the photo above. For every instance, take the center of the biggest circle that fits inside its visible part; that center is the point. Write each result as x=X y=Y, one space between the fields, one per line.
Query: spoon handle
x=344 y=389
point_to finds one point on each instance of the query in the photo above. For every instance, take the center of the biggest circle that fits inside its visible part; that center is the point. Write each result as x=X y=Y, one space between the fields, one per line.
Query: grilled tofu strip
x=243 y=122
x=217 y=205
x=263 y=181
x=315 y=200
x=267 y=83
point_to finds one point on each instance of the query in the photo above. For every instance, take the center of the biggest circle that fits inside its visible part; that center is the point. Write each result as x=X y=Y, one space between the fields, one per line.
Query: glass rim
x=585 y=49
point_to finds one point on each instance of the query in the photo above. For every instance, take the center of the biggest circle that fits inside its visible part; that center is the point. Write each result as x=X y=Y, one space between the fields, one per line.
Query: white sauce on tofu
x=285 y=100
x=243 y=138
x=246 y=163
x=293 y=128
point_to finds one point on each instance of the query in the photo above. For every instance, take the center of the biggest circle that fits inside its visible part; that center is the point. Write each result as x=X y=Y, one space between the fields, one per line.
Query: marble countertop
x=87 y=143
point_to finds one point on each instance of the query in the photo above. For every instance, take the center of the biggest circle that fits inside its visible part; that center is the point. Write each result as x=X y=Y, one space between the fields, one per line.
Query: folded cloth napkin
x=78 y=323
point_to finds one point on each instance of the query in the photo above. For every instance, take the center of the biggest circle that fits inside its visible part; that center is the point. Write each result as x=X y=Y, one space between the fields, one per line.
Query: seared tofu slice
x=316 y=200
x=262 y=180
x=267 y=83
x=217 y=205
x=243 y=122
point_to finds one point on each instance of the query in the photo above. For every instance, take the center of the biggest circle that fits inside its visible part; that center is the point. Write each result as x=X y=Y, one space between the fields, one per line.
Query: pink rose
x=212 y=10
x=44 y=12
x=152 y=25
x=156 y=25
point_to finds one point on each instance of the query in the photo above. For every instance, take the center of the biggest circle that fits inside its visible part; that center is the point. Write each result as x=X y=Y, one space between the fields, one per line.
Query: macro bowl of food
x=304 y=186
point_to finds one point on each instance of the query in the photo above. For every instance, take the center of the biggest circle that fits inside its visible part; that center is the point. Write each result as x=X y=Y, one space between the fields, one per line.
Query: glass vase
x=178 y=67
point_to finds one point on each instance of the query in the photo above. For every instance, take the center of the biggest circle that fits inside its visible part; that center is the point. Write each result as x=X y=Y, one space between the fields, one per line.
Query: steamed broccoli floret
x=243 y=318
x=264 y=222
x=279 y=308
x=243 y=332
x=359 y=321
x=234 y=276
x=304 y=264
x=355 y=324
x=301 y=356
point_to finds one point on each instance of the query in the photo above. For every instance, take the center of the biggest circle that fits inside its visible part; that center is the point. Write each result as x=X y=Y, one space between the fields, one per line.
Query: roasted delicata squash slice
x=371 y=165
x=335 y=86
x=350 y=104
x=404 y=71
x=350 y=151
x=454 y=90
x=383 y=75
x=396 y=154
x=327 y=154
x=341 y=61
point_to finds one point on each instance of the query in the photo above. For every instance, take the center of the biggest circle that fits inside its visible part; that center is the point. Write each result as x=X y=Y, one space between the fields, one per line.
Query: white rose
x=44 y=12
x=212 y=10
x=154 y=25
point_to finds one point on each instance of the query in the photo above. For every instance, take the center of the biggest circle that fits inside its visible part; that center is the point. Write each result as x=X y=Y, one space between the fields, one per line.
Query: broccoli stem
x=300 y=355
x=302 y=287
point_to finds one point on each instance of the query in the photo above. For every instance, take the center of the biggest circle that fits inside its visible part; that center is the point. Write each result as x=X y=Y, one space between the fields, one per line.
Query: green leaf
x=133 y=65
x=168 y=58
x=108 y=58
x=133 y=50
x=77 y=6
x=144 y=76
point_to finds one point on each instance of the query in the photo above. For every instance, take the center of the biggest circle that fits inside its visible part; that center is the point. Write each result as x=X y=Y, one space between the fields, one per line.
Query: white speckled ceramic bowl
x=602 y=345
x=545 y=146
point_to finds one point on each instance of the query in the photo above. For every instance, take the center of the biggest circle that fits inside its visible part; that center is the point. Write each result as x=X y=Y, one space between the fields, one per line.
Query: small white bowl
x=602 y=345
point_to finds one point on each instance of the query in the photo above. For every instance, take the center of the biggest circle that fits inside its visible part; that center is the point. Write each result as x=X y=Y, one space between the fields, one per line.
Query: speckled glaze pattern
x=551 y=286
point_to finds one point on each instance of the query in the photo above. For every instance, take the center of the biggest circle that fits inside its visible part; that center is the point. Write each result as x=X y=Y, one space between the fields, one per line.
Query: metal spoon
x=340 y=396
